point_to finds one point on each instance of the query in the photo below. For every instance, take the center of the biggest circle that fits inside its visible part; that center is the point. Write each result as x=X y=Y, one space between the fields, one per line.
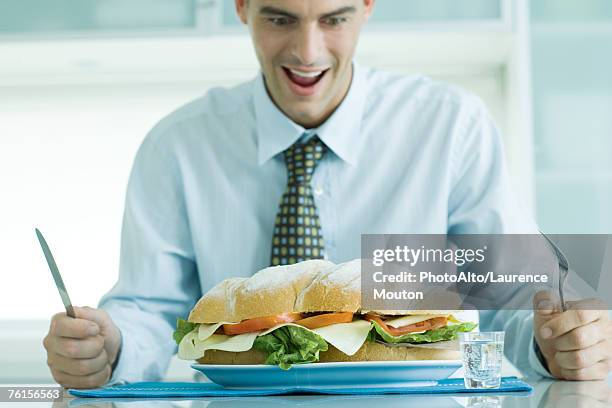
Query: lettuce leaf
x=371 y=336
x=182 y=328
x=430 y=336
x=290 y=345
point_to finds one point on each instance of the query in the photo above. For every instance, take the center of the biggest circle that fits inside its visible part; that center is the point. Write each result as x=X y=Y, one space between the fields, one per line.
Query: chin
x=305 y=115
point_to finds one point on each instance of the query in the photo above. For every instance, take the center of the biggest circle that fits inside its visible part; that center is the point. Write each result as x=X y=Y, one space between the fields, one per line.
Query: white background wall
x=65 y=158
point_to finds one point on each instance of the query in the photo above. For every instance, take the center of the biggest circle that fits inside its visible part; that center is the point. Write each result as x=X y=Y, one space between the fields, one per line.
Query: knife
x=59 y=283
x=564 y=268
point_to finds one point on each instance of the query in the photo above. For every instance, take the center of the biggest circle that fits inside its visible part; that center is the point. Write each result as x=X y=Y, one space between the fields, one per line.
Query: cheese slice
x=192 y=348
x=207 y=330
x=239 y=342
x=346 y=337
x=412 y=319
x=278 y=326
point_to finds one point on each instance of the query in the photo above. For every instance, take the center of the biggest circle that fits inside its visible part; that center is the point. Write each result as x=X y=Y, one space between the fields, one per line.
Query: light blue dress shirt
x=406 y=155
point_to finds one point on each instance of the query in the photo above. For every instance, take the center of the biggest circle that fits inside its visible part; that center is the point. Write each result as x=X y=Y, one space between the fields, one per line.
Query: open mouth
x=304 y=82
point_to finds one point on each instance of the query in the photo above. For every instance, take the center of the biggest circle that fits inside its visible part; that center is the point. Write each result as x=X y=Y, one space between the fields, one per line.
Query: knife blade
x=564 y=268
x=59 y=282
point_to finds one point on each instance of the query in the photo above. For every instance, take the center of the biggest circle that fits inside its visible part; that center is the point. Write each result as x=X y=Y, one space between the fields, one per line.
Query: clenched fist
x=577 y=343
x=82 y=350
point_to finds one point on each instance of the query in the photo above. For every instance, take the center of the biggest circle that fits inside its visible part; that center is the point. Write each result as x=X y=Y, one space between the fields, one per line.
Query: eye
x=335 y=21
x=279 y=21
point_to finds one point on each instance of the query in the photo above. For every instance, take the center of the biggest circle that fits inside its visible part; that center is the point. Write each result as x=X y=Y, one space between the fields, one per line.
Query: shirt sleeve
x=482 y=201
x=536 y=360
x=157 y=272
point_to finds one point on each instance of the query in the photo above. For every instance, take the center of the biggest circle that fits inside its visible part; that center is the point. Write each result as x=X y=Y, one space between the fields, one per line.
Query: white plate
x=331 y=375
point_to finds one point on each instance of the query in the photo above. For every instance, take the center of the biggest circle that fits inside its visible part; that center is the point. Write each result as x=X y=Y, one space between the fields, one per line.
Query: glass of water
x=482 y=354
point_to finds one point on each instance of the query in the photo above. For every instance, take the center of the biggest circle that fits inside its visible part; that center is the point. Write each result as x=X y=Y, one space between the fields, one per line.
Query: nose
x=307 y=44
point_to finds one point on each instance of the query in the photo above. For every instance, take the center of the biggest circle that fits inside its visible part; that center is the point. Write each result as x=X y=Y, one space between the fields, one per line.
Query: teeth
x=306 y=74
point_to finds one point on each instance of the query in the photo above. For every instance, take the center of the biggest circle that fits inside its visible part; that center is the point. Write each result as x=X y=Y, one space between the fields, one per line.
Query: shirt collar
x=341 y=132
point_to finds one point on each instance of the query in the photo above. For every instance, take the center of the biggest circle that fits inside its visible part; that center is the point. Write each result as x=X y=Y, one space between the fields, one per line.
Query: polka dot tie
x=297 y=229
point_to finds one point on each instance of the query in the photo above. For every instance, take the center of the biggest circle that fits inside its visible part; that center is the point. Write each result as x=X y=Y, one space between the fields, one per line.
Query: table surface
x=547 y=393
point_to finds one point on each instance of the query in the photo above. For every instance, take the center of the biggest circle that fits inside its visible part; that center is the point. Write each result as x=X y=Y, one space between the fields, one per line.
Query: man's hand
x=577 y=343
x=81 y=351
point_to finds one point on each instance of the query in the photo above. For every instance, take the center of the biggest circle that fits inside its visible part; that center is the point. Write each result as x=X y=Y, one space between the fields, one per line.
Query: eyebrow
x=270 y=10
x=342 y=10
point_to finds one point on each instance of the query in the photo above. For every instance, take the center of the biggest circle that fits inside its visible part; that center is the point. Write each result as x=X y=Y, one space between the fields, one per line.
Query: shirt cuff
x=122 y=373
x=535 y=361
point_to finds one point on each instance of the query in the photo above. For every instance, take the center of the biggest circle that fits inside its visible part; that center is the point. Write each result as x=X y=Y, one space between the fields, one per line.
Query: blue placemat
x=187 y=389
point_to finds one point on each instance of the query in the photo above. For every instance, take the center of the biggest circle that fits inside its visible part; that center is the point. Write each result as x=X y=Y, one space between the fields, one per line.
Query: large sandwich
x=306 y=313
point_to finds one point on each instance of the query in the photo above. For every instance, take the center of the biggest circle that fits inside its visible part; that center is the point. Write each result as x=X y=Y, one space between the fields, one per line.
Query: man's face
x=305 y=49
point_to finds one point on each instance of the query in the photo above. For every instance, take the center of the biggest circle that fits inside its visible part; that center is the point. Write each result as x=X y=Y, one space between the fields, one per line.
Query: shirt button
x=318 y=191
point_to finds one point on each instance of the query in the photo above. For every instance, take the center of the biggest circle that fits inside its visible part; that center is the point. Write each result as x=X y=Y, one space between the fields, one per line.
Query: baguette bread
x=269 y=292
x=309 y=286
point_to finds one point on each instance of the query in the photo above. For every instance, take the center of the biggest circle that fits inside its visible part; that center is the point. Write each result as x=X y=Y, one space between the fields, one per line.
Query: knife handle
x=70 y=311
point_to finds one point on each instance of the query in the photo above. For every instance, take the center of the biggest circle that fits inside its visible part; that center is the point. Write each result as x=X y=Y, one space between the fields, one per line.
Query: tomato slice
x=260 y=323
x=322 y=320
x=425 y=325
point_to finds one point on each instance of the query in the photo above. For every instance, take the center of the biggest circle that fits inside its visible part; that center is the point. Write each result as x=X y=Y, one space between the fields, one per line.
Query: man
x=392 y=154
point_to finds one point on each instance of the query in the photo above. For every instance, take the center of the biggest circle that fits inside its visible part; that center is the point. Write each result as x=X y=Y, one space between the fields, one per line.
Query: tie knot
x=302 y=159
